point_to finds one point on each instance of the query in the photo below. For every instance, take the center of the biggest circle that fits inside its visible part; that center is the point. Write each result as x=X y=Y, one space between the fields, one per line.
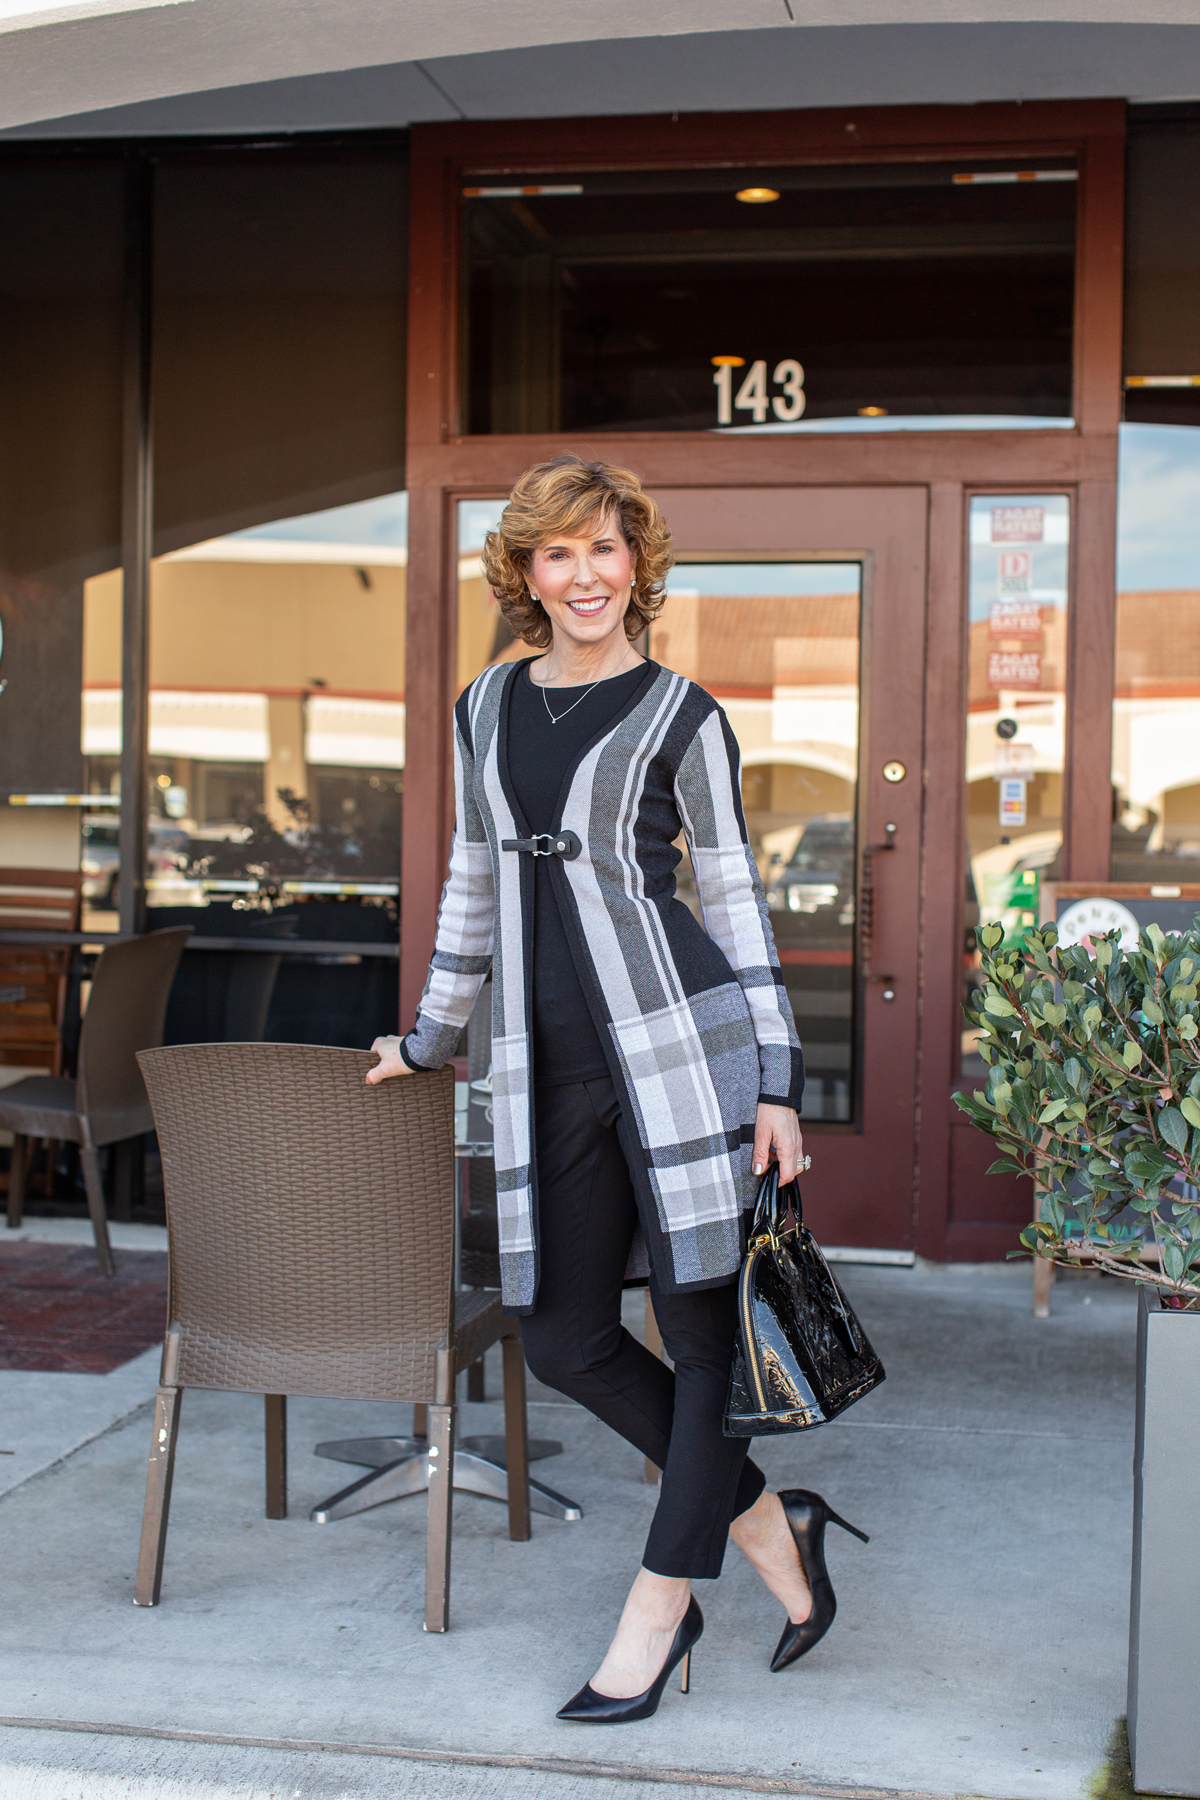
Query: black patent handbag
x=801 y=1356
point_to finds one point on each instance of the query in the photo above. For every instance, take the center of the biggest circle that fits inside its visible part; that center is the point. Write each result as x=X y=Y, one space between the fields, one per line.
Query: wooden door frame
x=445 y=466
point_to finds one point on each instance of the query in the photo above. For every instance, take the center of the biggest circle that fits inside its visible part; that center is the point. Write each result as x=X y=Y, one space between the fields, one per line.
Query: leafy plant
x=1093 y=1089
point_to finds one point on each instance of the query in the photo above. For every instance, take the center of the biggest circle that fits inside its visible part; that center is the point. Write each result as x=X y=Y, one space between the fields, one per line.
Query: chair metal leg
x=475 y=1384
x=158 y=1496
x=18 y=1162
x=276 y=1429
x=420 y=1421
x=48 y=1172
x=96 y=1207
x=516 y=1439
x=441 y=1507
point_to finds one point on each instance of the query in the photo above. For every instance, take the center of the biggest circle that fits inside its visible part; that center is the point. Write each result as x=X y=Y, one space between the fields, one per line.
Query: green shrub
x=1093 y=1089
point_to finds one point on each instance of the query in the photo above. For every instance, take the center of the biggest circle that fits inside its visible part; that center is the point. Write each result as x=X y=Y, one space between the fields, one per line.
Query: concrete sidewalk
x=980 y=1644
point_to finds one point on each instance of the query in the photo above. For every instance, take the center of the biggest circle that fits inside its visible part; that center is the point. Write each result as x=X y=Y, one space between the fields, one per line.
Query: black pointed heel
x=807 y=1516
x=590 y=1708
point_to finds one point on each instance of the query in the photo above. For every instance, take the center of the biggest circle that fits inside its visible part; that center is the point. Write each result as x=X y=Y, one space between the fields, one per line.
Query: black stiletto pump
x=590 y=1708
x=807 y=1516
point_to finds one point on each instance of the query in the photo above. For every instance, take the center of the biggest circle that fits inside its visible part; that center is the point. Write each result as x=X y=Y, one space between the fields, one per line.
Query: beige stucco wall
x=258 y=626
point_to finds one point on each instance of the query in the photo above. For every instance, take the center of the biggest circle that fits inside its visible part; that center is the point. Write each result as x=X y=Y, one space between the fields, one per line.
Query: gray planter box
x=1164 y=1623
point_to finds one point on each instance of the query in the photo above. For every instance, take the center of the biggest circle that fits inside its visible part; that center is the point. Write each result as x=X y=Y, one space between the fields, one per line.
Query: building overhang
x=166 y=67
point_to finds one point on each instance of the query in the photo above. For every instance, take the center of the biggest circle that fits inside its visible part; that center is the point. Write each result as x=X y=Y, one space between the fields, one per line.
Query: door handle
x=866 y=911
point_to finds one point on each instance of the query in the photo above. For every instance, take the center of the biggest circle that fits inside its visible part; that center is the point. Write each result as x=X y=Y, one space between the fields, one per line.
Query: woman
x=645 y=1068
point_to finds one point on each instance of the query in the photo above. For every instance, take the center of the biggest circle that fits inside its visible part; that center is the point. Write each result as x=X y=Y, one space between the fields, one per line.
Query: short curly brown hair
x=563 y=496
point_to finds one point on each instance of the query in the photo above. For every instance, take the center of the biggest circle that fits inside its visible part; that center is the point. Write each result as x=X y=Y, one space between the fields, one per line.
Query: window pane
x=1156 y=721
x=61 y=261
x=277 y=709
x=690 y=300
x=280 y=294
x=1162 y=273
x=1019 y=560
x=777 y=643
x=101 y=743
x=277 y=751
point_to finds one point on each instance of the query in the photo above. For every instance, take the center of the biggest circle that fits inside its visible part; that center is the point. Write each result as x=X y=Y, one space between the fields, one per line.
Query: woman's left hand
x=778 y=1128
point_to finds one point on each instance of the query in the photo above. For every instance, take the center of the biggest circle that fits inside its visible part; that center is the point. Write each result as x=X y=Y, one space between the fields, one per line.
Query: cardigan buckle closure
x=559 y=843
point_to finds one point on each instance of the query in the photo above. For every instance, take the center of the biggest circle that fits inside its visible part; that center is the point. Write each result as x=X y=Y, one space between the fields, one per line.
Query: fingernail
x=758 y=1168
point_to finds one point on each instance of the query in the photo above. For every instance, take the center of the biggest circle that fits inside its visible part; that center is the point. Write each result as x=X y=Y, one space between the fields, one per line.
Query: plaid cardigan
x=695 y=1021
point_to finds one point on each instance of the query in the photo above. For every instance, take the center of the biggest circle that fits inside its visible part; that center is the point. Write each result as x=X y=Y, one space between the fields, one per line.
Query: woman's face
x=585 y=582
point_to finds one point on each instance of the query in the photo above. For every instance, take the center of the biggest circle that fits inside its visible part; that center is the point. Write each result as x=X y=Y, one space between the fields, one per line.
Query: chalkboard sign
x=1086 y=910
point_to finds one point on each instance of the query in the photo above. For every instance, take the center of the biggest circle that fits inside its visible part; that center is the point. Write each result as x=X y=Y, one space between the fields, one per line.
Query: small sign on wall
x=1012 y=803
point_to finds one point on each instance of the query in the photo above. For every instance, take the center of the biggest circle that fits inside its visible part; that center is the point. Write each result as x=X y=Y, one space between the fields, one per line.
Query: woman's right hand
x=390 y=1063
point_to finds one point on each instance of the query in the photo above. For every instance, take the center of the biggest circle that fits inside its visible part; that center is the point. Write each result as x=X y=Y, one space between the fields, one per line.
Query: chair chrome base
x=401 y=1466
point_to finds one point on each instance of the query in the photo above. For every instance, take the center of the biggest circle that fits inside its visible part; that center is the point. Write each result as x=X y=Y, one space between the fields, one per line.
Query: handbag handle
x=771 y=1205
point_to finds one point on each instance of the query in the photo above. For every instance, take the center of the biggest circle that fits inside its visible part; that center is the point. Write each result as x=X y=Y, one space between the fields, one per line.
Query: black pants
x=575 y=1341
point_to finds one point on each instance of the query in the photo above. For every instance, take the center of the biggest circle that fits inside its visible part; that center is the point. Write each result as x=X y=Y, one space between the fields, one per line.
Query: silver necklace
x=555 y=717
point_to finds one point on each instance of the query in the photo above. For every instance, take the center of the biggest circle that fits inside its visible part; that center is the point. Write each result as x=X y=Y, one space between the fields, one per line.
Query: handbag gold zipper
x=747 y=1333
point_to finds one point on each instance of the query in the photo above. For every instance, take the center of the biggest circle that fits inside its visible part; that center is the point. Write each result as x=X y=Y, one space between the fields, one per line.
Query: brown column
x=1087 y=785
x=286 y=767
x=432 y=570
x=940 y=977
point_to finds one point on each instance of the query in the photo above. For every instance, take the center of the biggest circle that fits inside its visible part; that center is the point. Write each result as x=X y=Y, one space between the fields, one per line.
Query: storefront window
x=774 y=300
x=777 y=643
x=280 y=292
x=1017 y=600
x=1156 y=717
x=277 y=752
x=1162 y=270
x=277 y=710
x=61 y=269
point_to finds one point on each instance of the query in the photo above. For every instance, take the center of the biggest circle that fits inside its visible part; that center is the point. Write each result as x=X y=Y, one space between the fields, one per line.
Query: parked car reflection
x=168 y=847
x=817 y=883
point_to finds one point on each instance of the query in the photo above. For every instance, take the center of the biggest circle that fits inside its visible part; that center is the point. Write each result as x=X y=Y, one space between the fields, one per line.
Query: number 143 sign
x=752 y=396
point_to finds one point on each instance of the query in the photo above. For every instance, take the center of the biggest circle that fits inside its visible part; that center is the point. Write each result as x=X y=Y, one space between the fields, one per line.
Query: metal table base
x=401 y=1466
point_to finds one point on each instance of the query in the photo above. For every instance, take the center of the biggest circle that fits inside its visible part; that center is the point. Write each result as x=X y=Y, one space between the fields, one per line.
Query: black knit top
x=566 y=1045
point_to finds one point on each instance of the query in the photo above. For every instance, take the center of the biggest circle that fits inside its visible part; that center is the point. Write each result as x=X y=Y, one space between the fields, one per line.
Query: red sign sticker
x=1015 y=571
x=1018 y=524
x=1014 y=669
x=1014 y=619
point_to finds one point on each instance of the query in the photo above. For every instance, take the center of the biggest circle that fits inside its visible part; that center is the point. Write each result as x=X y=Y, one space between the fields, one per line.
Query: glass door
x=802 y=611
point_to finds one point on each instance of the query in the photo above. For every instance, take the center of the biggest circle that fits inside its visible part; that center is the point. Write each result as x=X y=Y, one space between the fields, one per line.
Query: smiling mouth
x=587 y=609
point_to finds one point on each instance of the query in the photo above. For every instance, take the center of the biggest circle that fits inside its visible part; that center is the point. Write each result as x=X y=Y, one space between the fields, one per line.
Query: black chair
x=223 y=996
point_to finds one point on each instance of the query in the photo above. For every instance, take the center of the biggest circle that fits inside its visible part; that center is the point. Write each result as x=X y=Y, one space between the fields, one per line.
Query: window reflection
x=277 y=741
x=777 y=643
x=1017 y=612
x=1156 y=713
x=687 y=300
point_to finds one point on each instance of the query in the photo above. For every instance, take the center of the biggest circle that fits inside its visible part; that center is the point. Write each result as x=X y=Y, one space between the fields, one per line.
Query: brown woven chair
x=106 y=1103
x=311 y=1224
